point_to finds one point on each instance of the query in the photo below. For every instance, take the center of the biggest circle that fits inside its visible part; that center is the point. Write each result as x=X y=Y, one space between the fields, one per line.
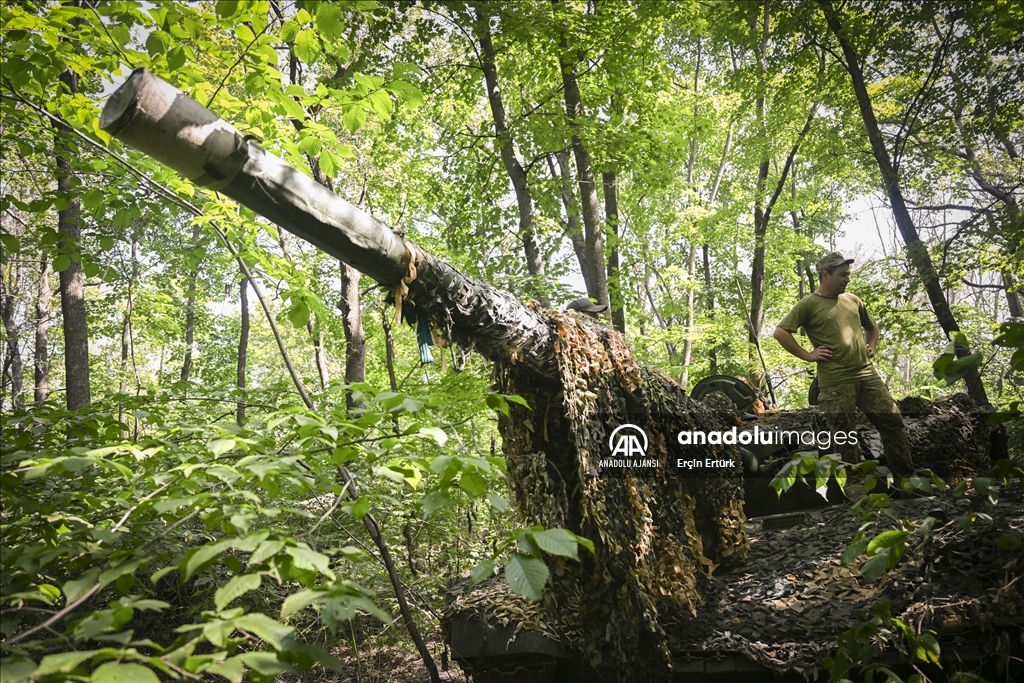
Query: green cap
x=832 y=260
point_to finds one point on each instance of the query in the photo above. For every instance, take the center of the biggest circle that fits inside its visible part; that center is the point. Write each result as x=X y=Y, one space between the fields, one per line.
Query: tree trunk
x=593 y=235
x=72 y=279
x=352 y=322
x=126 y=331
x=611 y=214
x=190 y=314
x=710 y=294
x=572 y=218
x=756 y=319
x=916 y=249
x=42 y=350
x=506 y=147
x=319 y=352
x=243 y=347
x=691 y=260
x=709 y=291
x=14 y=364
x=1013 y=211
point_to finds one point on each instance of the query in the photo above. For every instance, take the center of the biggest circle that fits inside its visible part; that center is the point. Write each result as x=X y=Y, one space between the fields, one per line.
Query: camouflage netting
x=949 y=437
x=658 y=538
x=787 y=604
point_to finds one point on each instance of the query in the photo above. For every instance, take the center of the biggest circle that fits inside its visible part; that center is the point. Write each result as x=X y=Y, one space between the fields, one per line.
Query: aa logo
x=628 y=441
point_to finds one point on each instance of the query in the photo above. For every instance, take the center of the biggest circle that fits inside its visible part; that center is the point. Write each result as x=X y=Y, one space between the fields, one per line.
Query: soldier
x=844 y=338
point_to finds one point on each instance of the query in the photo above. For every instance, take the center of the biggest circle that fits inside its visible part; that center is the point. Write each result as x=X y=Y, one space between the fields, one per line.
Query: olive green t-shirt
x=839 y=324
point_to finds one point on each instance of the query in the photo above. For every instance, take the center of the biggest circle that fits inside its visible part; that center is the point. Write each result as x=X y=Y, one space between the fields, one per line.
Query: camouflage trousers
x=840 y=404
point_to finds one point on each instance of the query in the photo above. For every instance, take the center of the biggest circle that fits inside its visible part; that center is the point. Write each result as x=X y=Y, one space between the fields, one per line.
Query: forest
x=233 y=449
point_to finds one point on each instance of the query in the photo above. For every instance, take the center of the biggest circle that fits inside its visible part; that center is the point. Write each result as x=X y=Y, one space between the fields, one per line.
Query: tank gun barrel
x=154 y=117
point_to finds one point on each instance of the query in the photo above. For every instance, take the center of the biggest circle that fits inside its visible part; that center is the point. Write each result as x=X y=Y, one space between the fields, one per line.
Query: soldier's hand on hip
x=821 y=353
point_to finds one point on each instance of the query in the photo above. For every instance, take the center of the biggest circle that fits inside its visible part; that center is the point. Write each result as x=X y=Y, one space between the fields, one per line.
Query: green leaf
x=886 y=539
x=298 y=314
x=306 y=558
x=226 y=9
x=436 y=433
x=434 y=501
x=497 y=402
x=526 y=575
x=1009 y=540
x=231 y=669
x=380 y=102
x=76 y=588
x=557 y=542
x=16 y=669
x=265 y=664
x=115 y=672
x=221 y=446
x=876 y=565
x=300 y=601
x=327 y=164
x=201 y=557
x=61 y=263
x=473 y=484
x=310 y=145
x=11 y=244
x=360 y=507
x=64 y=662
x=329 y=20
x=354 y=117
x=293 y=109
x=238 y=585
x=218 y=632
x=307 y=46
x=482 y=572
x=497 y=501
x=272 y=631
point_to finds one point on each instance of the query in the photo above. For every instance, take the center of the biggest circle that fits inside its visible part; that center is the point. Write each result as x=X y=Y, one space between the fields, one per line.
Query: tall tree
x=506 y=148
x=243 y=348
x=13 y=365
x=41 y=356
x=593 y=232
x=916 y=249
x=72 y=278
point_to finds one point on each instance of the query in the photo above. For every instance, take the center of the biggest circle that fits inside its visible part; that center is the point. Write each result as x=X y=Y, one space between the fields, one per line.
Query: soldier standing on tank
x=845 y=337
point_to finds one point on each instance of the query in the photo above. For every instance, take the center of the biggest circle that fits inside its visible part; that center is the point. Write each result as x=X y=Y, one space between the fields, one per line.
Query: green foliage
x=207 y=525
x=384 y=101
x=856 y=646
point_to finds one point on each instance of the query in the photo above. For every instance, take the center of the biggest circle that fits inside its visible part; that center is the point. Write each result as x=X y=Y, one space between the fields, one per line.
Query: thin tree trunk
x=319 y=352
x=72 y=279
x=190 y=314
x=691 y=261
x=709 y=291
x=1013 y=211
x=243 y=347
x=396 y=582
x=352 y=322
x=916 y=249
x=764 y=216
x=506 y=147
x=593 y=235
x=760 y=222
x=126 y=332
x=572 y=218
x=14 y=362
x=611 y=214
x=42 y=348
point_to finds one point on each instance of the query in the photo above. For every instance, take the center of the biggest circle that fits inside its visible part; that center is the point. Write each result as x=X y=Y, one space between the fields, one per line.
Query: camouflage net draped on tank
x=657 y=538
